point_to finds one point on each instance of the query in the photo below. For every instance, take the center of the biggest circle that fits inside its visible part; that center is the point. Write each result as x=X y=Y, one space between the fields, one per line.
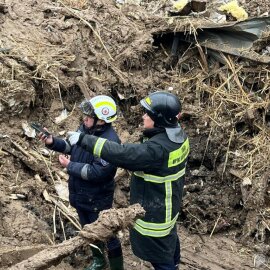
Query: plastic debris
x=28 y=131
x=61 y=117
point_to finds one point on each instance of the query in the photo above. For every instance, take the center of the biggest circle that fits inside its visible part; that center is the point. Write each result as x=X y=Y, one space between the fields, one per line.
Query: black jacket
x=91 y=179
x=157 y=184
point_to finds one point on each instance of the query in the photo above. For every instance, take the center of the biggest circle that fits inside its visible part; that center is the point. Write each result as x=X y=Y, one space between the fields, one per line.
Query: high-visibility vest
x=161 y=195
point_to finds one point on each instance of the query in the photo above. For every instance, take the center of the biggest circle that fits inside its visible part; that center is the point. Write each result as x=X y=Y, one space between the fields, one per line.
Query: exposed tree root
x=109 y=222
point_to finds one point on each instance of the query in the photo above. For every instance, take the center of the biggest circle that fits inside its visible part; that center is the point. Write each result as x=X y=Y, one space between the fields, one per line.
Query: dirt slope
x=55 y=53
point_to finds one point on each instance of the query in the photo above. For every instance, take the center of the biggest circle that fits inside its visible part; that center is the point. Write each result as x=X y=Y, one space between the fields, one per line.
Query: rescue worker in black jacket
x=159 y=165
x=91 y=178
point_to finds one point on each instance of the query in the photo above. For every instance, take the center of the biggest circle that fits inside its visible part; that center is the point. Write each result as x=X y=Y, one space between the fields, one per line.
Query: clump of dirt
x=256 y=8
x=56 y=53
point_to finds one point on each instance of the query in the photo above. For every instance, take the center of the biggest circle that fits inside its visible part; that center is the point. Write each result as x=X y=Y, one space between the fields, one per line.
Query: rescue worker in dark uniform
x=91 y=178
x=159 y=165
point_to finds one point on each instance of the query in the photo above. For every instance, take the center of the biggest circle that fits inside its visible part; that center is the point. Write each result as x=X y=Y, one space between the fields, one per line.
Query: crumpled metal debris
x=236 y=38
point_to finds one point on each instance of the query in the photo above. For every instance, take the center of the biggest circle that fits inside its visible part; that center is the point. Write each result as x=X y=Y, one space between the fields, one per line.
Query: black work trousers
x=113 y=244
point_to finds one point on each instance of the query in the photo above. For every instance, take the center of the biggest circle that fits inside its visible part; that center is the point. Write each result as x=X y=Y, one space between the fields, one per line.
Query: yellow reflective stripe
x=148 y=100
x=152 y=233
x=178 y=156
x=98 y=146
x=156 y=226
x=155 y=233
x=168 y=201
x=159 y=229
x=103 y=103
x=160 y=179
x=114 y=118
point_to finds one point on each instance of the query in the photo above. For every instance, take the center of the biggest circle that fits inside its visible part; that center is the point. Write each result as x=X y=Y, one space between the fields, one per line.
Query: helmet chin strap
x=95 y=126
x=93 y=129
x=95 y=121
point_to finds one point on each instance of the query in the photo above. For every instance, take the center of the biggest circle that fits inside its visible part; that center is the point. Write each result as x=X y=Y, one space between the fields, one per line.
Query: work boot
x=116 y=263
x=99 y=261
x=115 y=254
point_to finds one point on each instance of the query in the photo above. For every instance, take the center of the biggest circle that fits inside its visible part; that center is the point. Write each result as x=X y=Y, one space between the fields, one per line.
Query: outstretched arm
x=134 y=157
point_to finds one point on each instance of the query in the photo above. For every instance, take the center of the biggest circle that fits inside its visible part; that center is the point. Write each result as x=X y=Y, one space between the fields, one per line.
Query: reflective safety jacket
x=157 y=184
x=91 y=179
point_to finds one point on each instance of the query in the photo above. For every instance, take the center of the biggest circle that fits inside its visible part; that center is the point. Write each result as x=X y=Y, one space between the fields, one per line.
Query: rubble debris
x=237 y=39
x=28 y=131
x=54 y=60
x=108 y=223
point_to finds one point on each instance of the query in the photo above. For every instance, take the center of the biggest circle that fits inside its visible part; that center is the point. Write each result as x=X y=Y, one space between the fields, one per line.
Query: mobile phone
x=39 y=129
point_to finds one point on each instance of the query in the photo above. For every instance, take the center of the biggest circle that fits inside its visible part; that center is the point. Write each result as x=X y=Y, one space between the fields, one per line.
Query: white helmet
x=102 y=107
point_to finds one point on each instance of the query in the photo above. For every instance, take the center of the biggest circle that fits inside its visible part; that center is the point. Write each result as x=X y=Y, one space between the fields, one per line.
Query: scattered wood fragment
x=63 y=209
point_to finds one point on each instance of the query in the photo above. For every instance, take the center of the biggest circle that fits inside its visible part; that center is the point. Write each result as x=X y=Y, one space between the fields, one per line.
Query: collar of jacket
x=97 y=130
x=153 y=131
x=176 y=134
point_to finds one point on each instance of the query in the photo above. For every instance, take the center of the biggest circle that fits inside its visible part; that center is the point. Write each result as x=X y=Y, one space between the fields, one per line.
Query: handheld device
x=39 y=129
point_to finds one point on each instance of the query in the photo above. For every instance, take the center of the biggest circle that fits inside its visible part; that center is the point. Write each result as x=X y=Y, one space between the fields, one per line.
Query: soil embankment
x=53 y=54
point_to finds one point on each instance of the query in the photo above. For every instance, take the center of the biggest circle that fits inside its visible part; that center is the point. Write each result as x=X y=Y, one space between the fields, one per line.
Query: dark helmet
x=163 y=108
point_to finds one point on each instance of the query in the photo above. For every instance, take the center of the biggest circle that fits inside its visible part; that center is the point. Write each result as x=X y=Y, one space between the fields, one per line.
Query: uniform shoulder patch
x=103 y=162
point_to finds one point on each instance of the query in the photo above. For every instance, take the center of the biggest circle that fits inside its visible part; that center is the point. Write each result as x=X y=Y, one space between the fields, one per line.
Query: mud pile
x=55 y=53
x=257 y=8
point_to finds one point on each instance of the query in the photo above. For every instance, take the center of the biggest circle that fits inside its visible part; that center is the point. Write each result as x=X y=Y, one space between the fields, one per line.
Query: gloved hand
x=73 y=137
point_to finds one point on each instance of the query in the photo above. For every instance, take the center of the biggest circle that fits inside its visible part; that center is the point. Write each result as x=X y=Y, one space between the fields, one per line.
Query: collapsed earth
x=213 y=56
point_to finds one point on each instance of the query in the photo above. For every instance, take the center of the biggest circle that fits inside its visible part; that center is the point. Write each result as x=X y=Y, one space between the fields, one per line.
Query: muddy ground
x=53 y=54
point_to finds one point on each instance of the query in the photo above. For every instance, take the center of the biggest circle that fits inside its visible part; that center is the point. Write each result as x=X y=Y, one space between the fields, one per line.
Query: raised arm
x=134 y=157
